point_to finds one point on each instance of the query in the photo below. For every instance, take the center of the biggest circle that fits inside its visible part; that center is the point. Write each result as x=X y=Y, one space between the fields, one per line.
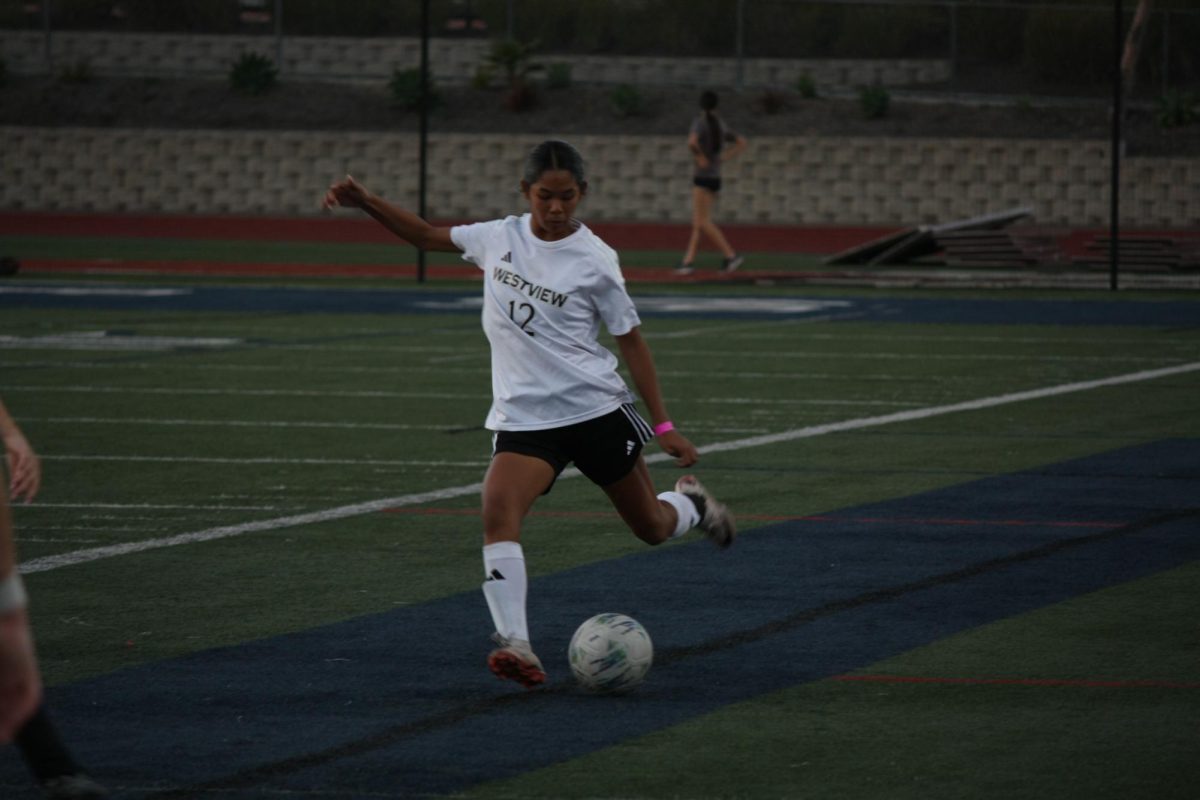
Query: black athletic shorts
x=604 y=449
x=712 y=184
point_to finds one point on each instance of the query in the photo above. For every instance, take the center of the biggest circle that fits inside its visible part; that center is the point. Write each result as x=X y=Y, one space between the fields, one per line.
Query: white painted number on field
x=93 y=291
x=739 y=305
x=688 y=305
x=103 y=340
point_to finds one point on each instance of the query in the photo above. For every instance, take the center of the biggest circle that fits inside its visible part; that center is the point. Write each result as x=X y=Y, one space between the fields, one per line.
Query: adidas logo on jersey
x=507 y=257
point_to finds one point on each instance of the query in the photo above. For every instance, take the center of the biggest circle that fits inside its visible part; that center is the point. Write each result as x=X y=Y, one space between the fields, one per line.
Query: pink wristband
x=663 y=427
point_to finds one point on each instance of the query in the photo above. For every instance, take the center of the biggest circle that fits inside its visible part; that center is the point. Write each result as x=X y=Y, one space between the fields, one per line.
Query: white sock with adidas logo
x=687 y=517
x=505 y=588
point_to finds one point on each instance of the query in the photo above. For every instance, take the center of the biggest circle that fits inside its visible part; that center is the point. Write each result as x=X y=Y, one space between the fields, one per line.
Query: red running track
x=359 y=229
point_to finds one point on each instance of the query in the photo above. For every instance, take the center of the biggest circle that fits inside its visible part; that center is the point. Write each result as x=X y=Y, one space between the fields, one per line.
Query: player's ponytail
x=708 y=102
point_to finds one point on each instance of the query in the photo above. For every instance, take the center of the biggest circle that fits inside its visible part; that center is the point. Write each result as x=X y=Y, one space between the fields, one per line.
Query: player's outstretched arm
x=349 y=193
x=24 y=468
x=732 y=152
x=637 y=356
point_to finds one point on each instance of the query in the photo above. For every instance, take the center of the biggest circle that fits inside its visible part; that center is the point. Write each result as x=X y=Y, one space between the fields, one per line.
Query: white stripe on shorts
x=645 y=432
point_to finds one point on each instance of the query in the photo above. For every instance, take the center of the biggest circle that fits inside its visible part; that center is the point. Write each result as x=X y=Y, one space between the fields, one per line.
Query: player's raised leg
x=656 y=518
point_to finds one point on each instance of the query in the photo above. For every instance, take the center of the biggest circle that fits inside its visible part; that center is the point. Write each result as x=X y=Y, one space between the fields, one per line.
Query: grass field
x=968 y=564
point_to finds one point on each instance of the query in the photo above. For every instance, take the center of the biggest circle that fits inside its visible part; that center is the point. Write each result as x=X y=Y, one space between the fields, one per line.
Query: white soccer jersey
x=542 y=307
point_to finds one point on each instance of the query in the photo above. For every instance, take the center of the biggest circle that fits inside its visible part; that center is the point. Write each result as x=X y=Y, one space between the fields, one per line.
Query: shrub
x=875 y=101
x=515 y=60
x=1177 y=108
x=482 y=79
x=253 y=74
x=806 y=86
x=558 y=76
x=405 y=87
x=76 y=72
x=771 y=101
x=626 y=101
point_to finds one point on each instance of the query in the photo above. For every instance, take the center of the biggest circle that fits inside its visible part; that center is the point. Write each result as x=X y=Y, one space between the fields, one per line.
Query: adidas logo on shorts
x=629 y=447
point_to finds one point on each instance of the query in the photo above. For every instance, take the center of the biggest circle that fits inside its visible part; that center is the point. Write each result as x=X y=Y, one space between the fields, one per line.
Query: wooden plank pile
x=1015 y=248
x=972 y=235
x=1143 y=254
x=989 y=241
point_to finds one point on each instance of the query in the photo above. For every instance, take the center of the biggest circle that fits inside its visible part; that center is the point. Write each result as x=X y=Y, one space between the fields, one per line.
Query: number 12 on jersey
x=524 y=310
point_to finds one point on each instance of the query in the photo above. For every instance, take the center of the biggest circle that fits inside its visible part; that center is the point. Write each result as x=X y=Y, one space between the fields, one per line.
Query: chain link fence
x=997 y=47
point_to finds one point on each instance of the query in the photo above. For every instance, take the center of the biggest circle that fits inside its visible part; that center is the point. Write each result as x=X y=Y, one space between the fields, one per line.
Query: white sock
x=687 y=517
x=505 y=588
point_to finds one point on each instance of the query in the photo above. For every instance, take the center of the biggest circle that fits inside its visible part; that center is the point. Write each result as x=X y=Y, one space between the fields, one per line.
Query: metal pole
x=1114 y=211
x=424 y=138
x=46 y=33
x=953 y=9
x=279 y=34
x=740 y=45
x=1166 y=50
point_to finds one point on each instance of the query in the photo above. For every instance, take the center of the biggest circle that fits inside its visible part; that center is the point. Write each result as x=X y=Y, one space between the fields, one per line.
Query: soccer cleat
x=731 y=264
x=514 y=660
x=73 y=787
x=684 y=268
x=715 y=519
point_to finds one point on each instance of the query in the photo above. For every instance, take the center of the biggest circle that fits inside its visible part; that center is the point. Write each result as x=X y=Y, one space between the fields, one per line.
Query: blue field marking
x=860 y=308
x=402 y=702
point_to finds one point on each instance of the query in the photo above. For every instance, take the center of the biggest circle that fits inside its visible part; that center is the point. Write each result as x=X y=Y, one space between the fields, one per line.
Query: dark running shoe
x=731 y=264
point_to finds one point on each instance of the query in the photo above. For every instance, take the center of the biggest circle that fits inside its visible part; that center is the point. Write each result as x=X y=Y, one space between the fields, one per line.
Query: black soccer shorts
x=605 y=449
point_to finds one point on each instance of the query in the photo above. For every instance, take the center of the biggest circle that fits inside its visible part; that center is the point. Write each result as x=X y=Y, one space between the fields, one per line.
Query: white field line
x=238 y=423
x=246 y=392
x=209 y=534
x=354 y=462
x=725 y=330
x=833 y=355
x=966 y=405
x=154 y=506
x=357 y=509
x=480 y=370
x=433 y=364
x=266 y=424
x=812 y=401
x=1154 y=342
x=800 y=401
x=782 y=375
x=148 y=366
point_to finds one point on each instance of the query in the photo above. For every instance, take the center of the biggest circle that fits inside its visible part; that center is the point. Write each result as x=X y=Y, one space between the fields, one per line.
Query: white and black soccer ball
x=610 y=653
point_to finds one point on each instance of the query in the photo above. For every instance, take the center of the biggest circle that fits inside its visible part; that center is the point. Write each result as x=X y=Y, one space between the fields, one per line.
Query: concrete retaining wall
x=777 y=181
x=451 y=60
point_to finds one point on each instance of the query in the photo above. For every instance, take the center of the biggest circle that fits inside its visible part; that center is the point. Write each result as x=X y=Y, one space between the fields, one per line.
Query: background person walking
x=707 y=142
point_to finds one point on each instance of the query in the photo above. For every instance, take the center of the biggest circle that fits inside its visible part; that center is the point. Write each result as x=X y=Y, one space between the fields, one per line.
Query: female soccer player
x=23 y=716
x=706 y=142
x=557 y=397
